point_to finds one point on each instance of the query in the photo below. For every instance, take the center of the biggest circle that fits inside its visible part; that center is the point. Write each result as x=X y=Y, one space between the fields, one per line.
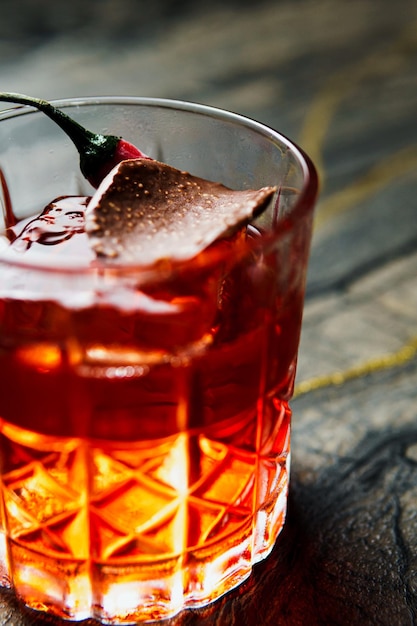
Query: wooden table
x=341 y=79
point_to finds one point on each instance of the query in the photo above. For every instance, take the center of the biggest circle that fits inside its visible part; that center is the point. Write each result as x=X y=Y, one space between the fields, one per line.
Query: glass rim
x=302 y=207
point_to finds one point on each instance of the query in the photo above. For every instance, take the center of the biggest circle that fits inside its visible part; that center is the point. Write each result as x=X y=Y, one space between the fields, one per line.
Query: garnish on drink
x=144 y=210
x=98 y=153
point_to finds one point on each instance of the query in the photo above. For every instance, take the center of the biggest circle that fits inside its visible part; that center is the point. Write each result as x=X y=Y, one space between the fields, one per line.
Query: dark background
x=28 y=23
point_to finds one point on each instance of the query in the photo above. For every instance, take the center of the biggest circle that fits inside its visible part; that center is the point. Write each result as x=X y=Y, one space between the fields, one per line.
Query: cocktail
x=145 y=424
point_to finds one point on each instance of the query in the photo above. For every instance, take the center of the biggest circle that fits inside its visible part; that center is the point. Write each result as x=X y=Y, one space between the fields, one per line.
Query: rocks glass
x=145 y=425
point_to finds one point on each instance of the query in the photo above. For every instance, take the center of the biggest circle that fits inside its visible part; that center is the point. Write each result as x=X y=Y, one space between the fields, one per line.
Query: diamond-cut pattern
x=138 y=505
x=133 y=507
x=175 y=519
x=40 y=496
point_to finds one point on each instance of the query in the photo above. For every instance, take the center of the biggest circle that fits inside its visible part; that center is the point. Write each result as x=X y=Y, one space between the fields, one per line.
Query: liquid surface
x=144 y=448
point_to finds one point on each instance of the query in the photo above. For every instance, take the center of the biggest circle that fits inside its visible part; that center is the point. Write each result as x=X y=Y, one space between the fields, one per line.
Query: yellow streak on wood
x=398 y=165
x=394 y=167
x=387 y=60
x=387 y=361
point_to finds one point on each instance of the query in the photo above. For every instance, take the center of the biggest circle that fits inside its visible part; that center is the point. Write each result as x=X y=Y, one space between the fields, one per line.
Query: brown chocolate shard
x=146 y=211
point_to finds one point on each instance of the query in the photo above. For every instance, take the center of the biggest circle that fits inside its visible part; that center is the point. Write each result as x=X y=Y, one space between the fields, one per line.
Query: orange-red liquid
x=145 y=456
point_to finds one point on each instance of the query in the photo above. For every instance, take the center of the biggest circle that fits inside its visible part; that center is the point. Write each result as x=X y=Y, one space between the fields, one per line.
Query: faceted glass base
x=119 y=534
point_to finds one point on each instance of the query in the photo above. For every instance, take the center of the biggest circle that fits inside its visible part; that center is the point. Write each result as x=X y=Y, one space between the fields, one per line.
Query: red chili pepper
x=95 y=170
x=98 y=153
